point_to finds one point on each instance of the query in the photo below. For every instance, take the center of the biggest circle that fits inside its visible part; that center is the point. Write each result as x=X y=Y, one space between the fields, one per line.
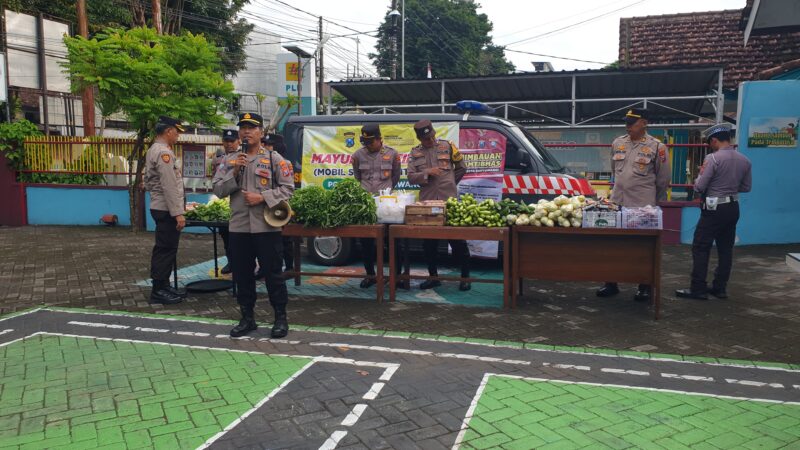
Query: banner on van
x=328 y=150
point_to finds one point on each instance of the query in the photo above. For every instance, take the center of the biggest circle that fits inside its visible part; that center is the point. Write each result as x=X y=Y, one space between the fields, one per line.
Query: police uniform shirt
x=262 y=168
x=446 y=157
x=641 y=171
x=376 y=170
x=163 y=179
x=725 y=172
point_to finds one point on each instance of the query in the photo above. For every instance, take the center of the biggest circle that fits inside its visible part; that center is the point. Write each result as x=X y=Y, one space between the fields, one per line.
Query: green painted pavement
x=521 y=413
x=68 y=392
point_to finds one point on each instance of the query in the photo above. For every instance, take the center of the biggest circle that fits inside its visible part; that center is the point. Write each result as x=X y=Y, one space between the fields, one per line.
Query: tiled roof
x=706 y=38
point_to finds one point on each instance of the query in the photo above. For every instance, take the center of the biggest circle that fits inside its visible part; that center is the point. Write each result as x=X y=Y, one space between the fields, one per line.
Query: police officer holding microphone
x=255 y=179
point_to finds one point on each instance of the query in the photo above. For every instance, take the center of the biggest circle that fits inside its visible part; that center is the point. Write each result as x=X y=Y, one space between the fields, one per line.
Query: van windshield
x=552 y=165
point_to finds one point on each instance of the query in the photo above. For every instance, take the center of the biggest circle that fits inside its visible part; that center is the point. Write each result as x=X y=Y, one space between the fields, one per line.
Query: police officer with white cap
x=163 y=179
x=724 y=174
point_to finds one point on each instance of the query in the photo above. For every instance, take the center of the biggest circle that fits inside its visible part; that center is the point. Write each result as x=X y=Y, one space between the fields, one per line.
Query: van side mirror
x=526 y=163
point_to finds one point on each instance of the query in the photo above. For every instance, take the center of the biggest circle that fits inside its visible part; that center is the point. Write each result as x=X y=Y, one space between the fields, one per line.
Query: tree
x=448 y=34
x=145 y=75
x=216 y=19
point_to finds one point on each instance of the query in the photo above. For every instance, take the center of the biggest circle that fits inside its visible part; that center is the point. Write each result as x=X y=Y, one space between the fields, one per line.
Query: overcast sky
x=526 y=25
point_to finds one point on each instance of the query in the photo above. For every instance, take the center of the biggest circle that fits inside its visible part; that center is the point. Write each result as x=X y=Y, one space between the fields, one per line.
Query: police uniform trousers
x=288 y=253
x=460 y=254
x=368 y=255
x=718 y=227
x=166 y=248
x=267 y=247
x=225 y=235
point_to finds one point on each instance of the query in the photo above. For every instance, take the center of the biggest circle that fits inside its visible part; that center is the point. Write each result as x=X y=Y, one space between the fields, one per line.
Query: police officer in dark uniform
x=724 y=174
x=163 y=179
x=274 y=141
x=376 y=167
x=230 y=144
x=255 y=180
x=437 y=166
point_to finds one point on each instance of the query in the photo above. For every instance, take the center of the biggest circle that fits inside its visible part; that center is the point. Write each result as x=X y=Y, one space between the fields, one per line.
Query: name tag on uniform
x=263 y=173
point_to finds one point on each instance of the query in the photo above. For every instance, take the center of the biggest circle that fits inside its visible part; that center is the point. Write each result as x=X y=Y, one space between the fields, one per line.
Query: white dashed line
x=628 y=372
x=376 y=348
x=152 y=330
x=6 y=331
x=754 y=383
x=387 y=374
x=687 y=377
x=192 y=333
x=354 y=415
x=374 y=391
x=566 y=366
x=98 y=325
x=333 y=441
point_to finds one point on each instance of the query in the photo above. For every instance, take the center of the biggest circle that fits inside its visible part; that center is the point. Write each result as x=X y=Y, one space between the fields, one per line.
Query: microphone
x=243 y=150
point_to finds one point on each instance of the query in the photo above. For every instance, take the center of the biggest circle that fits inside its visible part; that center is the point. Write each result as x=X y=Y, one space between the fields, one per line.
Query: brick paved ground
x=96 y=267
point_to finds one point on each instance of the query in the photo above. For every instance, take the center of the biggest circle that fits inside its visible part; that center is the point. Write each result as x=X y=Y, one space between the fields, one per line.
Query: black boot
x=162 y=295
x=180 y=292
x=281 y=326
x=608 y=290
x=246 y=324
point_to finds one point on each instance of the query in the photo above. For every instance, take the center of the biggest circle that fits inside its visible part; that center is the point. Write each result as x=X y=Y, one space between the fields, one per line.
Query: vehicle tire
x=330 y=250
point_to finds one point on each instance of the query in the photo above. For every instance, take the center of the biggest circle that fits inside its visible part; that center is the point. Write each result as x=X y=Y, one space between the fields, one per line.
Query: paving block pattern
x=73 y=392
x=517 y=413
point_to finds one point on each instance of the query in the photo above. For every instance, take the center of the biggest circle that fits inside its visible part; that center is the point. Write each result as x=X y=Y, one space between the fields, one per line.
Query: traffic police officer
x=230 y=144
x=437 y=166
x=641 y=171
x=255 y=180
x=162 y=178
x=376 y=167
x=724 y=174
x=274 y=141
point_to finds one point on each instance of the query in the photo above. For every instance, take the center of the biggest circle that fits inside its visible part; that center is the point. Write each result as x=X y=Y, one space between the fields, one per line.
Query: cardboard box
x=425 y=214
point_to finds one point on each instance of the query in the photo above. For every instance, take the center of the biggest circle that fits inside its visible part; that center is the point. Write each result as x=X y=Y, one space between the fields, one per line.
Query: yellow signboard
x=291 y=71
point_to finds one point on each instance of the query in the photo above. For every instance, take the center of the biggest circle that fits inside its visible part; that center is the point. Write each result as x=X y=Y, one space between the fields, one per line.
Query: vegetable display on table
x=469 y=213
x=216 y=210
x=562 y=211
x=346 y=204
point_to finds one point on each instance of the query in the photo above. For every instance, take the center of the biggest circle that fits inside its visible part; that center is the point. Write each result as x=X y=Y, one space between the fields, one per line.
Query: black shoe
x=688 y=293
x=164 y=297
x=180 y=292
x=280 y=328
x=608 y=290
x=246 y=325
x=260 y=273
x=464 y=286
x=367 y=282
x=642 y=295
x=719 y=293
x=225 y=270
x=428 y=284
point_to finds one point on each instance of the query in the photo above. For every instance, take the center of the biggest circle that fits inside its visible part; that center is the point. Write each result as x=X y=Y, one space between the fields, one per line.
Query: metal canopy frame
x=682 y=97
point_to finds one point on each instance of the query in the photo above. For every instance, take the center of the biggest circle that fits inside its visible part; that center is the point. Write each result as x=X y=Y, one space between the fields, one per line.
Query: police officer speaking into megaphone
x=255 y=180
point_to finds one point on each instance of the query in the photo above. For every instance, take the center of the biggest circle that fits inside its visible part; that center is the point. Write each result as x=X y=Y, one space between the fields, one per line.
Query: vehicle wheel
x=330 y=250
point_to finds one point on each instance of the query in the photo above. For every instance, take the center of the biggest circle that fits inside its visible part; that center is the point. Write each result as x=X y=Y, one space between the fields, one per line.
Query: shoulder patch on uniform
x=416 y=153
x=662 y=154
x=286 y=169
x=457 y=156
x=166 y=158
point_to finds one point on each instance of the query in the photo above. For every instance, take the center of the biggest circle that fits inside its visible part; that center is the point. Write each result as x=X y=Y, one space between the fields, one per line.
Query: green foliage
x=217 y=211
x=449 y=34
x=12 y=139
x=350 y=204
x=310 y=205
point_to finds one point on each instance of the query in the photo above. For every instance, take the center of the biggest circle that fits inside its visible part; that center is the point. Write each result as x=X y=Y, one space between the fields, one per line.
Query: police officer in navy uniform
x=377 y=167
x=724 y=174
x=163 y=179
x=274 y=141
x=230 y=144
x=255 y=180
x=437 y=166
x=641 y=171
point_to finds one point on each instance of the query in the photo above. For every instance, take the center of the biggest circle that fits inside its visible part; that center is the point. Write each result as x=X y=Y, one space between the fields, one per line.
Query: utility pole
x=321 y=80
x=157 y=16
x=42 y=72
x=87 y=96
x=403 y=39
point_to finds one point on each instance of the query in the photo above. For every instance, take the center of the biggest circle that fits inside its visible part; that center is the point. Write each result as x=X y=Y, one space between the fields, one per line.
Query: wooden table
x=502 y=234
x=376 y=232
x=587 y=254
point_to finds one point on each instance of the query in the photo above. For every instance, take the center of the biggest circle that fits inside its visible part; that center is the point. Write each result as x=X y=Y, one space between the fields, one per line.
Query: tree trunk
x=138 y=18
x=135 y=186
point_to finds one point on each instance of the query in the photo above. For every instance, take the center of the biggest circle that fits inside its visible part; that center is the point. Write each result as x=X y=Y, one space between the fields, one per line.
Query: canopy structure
x=579 y=99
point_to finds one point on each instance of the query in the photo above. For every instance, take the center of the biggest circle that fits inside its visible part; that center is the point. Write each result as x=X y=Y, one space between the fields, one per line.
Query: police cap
x=371 y=131
x=424 y=128
x=250 y=119
x=710 y=132
x=272 y=139
x=635 y=114
x=169 y=121
x=230 y=135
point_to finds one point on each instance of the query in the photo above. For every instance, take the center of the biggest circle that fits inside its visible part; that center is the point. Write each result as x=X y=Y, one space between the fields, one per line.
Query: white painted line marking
x=623 y=386
x=254 y=408
x=152 y=330
x=376 y=348
x=754 y=383
x=333 y=441
x=354 y=362
x=387 y=374
x=191 y=333
x=687 y=377
x=277 y=341
x=354 y=415
x=629 y=372
x=6 y=331
x=471 y=411
x=796 y=386
x=20 y=314
x=98 y=325
x=374 y=391
x=567 y=366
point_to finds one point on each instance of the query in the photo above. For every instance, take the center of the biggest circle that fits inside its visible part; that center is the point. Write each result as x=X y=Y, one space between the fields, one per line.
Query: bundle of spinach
x=350 y=204
x=310 y=205
x=215 y=211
